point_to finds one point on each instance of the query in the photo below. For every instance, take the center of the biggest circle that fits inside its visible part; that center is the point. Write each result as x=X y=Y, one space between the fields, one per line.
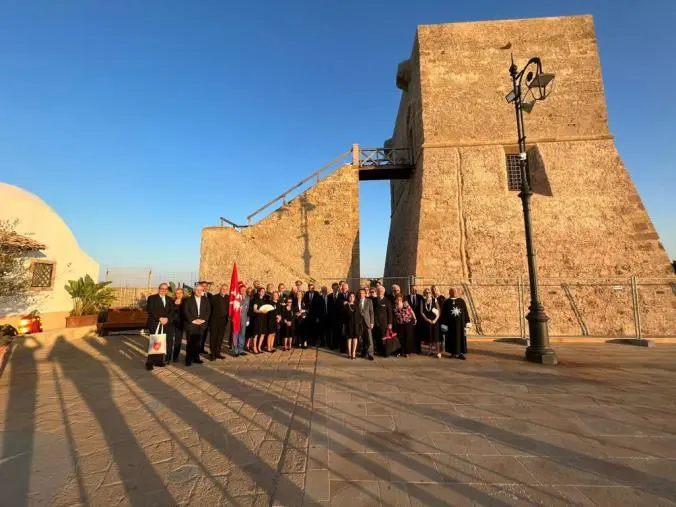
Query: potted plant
x=89 y=298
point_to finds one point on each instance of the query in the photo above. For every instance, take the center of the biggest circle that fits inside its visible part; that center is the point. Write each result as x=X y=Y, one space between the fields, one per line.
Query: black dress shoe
x=198 y=361
x=149 y=366
x=161 y=364
x=462 y=356
x=212 y=357
x=370 y=358
x=188 y=363
x=242 y=354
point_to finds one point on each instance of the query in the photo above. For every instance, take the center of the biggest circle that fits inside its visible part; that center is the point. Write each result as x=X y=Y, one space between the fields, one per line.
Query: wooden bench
x=122 y=320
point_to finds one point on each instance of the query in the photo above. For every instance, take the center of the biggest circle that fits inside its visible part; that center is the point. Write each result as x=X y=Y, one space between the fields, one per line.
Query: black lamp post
x=538 y=350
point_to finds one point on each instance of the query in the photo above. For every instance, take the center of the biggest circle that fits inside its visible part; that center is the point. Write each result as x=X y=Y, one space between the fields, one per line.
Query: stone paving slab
x=83 y=423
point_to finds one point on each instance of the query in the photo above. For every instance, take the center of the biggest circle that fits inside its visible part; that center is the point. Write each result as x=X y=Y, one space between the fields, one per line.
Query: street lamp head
x=538 y=84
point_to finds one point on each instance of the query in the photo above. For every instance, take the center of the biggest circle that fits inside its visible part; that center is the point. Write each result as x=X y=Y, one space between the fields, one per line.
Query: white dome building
x=52 y=252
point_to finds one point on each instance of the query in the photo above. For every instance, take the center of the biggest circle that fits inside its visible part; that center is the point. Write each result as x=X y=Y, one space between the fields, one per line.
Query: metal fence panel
x=146 y=277
x=656 y=306
x=608 y=307
x=603 y=307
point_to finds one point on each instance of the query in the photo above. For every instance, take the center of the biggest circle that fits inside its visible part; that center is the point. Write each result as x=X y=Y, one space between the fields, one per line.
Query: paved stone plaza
x=84 y=423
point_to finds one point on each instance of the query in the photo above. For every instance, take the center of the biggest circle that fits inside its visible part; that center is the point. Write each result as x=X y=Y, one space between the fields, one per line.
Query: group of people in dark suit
x=193 y=316
x=383 y=323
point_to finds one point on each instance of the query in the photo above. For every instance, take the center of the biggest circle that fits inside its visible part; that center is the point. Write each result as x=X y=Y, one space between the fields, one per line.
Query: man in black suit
x=218 y=321
x=205 y=332
x=415 y=300
x=159 y=308
x=311 y=304
x=382 y=313
x=334 y=318
x=196 y=311
x=324 y=320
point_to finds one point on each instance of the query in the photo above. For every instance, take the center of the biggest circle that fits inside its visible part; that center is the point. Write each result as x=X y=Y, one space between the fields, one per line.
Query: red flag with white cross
x=235 y=301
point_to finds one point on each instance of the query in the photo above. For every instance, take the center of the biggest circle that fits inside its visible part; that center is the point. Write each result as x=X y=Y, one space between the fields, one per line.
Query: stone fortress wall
x=456 y=222
x=314 y=236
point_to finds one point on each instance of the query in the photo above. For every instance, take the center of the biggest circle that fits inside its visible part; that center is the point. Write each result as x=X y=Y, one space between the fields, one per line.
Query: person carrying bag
x=160 y=308
x=157 y=347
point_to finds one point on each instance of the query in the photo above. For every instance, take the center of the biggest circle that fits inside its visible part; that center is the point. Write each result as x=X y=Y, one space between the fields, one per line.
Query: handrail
x=383 y=157
x=576 y=310
x=233 y=224
x=316 y=174
x=472 y=307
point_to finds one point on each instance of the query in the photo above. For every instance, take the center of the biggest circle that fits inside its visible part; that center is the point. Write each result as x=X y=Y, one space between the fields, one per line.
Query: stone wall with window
x=458 y=219
x=49 y=269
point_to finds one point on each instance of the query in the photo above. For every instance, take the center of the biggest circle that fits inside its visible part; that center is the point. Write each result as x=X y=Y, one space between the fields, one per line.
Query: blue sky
x=121 y=115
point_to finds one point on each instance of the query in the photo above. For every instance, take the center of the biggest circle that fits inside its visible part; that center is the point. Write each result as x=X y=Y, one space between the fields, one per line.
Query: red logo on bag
x=157 y=345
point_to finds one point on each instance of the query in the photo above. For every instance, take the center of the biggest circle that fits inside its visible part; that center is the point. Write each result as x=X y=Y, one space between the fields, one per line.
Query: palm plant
x=88 y=296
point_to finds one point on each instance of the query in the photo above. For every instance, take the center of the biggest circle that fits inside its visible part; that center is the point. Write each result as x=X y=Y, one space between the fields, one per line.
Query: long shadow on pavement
x=261 y=472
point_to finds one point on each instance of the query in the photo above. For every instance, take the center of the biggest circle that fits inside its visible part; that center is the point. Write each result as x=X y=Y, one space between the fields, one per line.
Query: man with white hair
x=196 y=312
x=396 y=290
x=382 y=312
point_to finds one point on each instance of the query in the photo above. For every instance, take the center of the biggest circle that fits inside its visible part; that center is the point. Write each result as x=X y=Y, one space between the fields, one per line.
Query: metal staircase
x=372 y=164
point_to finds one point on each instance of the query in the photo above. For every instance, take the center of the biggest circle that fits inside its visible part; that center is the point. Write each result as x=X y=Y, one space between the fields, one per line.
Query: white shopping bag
x=157 y=343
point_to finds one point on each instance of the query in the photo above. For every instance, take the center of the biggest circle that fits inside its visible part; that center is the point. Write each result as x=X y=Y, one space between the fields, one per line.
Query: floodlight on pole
x=527 y=106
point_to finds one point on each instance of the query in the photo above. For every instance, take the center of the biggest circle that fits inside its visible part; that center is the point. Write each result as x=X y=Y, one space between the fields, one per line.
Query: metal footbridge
x=372 y=163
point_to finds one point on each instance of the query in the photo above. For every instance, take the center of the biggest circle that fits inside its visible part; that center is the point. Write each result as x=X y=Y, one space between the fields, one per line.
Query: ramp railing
x=340 y=160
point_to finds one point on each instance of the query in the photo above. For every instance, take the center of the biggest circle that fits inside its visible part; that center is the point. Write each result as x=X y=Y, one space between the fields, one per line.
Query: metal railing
x=340 y=160
x=232 y=224
x=382 y=157
x=365 y=158
x=144 y=277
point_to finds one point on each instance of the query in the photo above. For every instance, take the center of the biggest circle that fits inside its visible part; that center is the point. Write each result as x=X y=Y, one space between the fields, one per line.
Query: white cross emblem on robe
x=455 y=311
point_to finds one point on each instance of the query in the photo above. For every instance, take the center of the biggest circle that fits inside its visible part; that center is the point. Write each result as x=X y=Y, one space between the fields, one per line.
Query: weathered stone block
x=314 y=236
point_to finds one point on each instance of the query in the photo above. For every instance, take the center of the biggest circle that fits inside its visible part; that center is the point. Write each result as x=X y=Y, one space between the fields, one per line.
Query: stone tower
x=457 y=219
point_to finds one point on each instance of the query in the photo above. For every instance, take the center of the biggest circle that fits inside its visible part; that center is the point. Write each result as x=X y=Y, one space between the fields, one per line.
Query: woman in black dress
x=352 y=322
x=404 y=318
x=300 y=314
x=430 y=317
x=455 y=318
x=287 y=325
x=273 y=319
x=260 y=321
x=177 y=322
